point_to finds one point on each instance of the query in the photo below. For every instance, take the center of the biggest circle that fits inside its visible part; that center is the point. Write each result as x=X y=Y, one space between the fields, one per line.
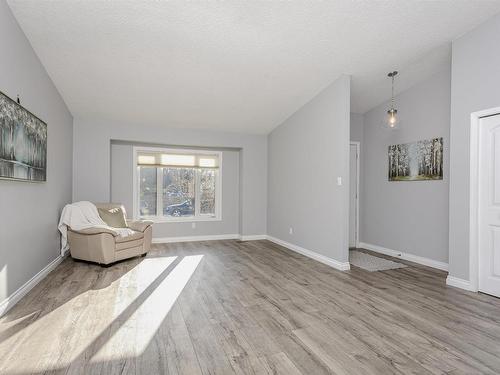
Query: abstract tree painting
x=23 y=143
x=422 y=160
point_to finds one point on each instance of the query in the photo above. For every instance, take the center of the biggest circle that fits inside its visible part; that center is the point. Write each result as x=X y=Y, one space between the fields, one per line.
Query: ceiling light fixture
x=392 y=119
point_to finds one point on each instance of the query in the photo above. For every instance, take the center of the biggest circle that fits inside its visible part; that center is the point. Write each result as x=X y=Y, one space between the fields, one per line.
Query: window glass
x=178 y=192
x=207 y=191
x=147 y=191
x=178 y=184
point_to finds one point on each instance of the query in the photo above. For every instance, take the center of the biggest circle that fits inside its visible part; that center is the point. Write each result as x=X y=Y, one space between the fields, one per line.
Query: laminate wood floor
x=229 y=307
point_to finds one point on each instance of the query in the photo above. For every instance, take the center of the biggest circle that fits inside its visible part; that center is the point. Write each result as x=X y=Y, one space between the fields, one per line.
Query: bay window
x=177 y=184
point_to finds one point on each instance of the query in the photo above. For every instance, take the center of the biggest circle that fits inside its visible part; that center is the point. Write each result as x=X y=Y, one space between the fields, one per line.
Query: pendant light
x=392 y=120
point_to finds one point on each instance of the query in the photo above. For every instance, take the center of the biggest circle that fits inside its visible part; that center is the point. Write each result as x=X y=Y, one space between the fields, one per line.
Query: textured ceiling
x=237 y=66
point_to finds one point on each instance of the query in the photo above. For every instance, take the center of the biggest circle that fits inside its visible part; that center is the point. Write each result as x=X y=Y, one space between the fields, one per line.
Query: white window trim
x=159 y=203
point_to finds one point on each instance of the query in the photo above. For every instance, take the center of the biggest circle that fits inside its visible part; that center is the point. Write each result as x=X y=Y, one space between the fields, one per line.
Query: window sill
x=161 y=220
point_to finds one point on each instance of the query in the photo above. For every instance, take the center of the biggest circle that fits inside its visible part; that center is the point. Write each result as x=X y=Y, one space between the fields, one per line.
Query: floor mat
x=372 y=263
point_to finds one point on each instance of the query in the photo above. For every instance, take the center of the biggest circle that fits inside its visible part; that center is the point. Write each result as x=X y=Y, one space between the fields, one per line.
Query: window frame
x=159 y=187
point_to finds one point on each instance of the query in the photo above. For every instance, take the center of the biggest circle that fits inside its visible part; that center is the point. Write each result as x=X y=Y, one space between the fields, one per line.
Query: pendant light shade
x=392 y=120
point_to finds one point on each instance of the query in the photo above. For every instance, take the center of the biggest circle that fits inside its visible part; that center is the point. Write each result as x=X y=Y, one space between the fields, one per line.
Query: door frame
x=474 y=188
x=358 y=156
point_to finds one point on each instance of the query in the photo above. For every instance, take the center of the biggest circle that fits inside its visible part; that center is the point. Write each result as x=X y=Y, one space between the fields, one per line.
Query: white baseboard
x=460 y=283
x=253 y=237
x=213 y=237
x=406 y=256
x=14 y=298
x=342 y=266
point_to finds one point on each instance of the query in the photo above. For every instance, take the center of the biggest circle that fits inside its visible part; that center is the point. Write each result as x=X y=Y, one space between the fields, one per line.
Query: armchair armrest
x=95 y=230
x=139 y=225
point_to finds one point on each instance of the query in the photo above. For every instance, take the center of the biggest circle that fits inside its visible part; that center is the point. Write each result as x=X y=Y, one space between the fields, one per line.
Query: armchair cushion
x=133 y=237
x=113 y=216
x=139 y=225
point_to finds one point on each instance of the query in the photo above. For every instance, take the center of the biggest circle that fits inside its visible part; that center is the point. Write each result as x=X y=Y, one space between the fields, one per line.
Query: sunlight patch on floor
x=135 y=334
x=120 y=294
x=132 y=285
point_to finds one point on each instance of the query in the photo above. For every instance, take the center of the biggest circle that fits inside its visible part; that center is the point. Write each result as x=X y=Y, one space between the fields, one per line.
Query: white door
x=489 y=205
x=353 y=194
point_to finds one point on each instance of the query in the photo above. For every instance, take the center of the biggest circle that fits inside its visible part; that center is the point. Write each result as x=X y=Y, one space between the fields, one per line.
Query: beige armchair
x=105 y=246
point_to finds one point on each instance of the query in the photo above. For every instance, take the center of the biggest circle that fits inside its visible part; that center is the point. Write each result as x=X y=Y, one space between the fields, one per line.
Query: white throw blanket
x=83 y=215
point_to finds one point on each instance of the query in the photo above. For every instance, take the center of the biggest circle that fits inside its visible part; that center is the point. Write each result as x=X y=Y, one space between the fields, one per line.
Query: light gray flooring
x=227 y=307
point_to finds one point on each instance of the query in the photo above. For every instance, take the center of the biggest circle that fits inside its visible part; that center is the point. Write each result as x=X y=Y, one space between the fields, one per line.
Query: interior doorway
x=354 y=194
x=484 y=223
x=489 y=205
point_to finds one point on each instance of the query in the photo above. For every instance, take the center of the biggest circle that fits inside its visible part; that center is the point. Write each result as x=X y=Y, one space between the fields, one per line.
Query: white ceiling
x=237 y=66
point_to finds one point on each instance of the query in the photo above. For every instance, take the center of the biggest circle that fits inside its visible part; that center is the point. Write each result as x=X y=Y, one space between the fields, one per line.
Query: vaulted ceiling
x=241 y=66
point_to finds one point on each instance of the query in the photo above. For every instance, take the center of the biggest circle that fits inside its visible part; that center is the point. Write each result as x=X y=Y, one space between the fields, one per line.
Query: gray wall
x=306 y=154
x=357 y=127
x=92 y=170
x=122 y=191
x=475 y=86
x=29 y=212
x=411 y=217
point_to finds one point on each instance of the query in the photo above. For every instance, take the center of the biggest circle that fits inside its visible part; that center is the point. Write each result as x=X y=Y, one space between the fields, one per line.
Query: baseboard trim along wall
x=212 y=237
x=459 y=283
x=15 y=297
x=409 y=257
x=254 y=237
x=342 y=266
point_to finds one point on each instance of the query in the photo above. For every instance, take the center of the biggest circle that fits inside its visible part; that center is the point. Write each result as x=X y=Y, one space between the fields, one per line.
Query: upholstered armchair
x=105 y=245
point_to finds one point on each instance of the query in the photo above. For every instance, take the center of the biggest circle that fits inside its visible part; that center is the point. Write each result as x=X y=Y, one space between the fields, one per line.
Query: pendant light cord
x=392 y=97
x=392 y=75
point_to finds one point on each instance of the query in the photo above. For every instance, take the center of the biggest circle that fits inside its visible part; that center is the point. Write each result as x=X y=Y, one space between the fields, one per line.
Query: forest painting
x=422 y=160
x=23 y=143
